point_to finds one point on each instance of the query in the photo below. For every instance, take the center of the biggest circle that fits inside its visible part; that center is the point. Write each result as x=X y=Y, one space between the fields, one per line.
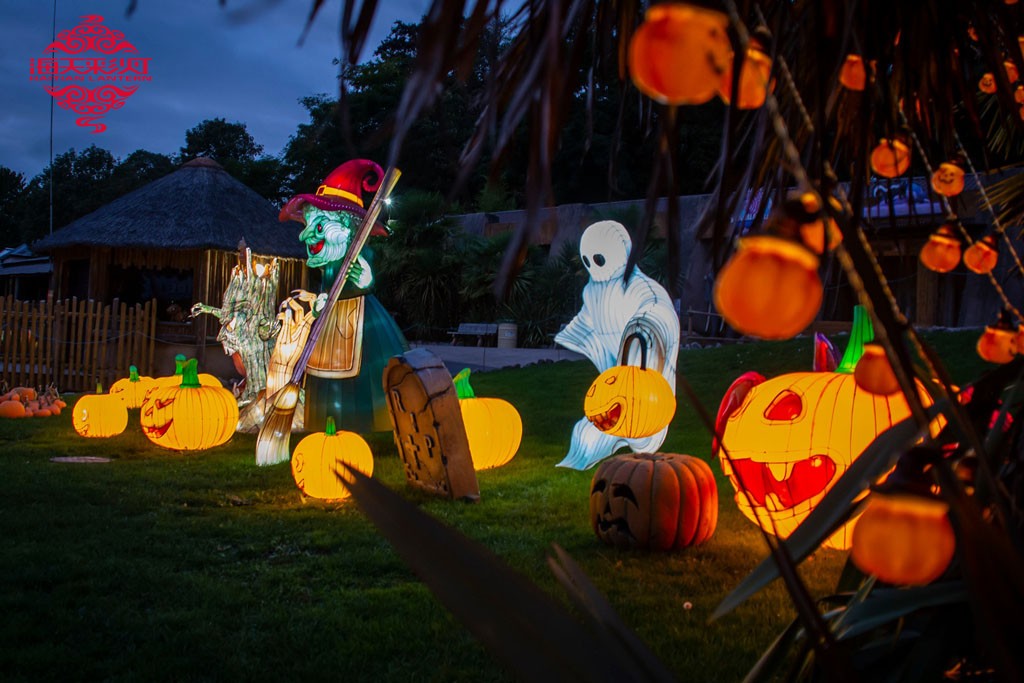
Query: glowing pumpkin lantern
x=660 y=501
x=99 y=415
x=948 y=179
x=874 y=373
x=941 y=252
x=987 y=84
x=679 y=53
x=317 y=459
x=630 y=401
x=191 y=416
x=822 y=231
x=493 y=425
x=1012 y=75
x=998 y=343
x=890 y=158
x=770 y=288
x=982 y=256
x=755 y=79
x=853 y=75
x=132 y=389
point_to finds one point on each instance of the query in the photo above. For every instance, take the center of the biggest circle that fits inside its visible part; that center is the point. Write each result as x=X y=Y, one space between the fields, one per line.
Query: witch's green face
x=327 y=235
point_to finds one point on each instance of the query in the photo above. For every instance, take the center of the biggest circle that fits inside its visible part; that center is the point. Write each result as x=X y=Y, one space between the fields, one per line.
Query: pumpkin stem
x=190 y=374
x=99 y=387
x=462 y=386
x=133 y=373
x=330 y=429
x=861 y=333
x=179 y=362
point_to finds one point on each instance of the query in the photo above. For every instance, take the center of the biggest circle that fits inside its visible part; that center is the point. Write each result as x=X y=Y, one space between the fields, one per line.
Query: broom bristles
x=273 y=443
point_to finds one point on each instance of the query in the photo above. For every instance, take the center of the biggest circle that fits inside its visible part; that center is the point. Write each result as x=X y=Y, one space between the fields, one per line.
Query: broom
x=272 y=444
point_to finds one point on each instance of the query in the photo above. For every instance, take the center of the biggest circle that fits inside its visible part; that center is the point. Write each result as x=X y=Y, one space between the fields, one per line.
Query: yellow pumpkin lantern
x=191 y=416
x=630 y=401
x=679 y=53
x=770 y=288
x=890 y=158
x=317 y=460
x=941 y=252
x=99 y=415
x=132 y=389
x=982 y=256
x=493 y=425
x=948 y=179
x=205 y=379
x=853 y=75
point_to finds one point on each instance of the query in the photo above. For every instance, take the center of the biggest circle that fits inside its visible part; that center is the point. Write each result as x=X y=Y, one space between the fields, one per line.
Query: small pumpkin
x=890 y=158
x=853 y=75
x=190 y=416
x=659 y=501
x=941 y=253
x=317 y=458
x=998 y=343
x=822 y=232
x=630 y=401
x=493 y=425
x=987 y=84
x=948 y=179
x=982 y=256
x=873 y=372
x=755 y=79
x=99 y=415
x=12 y=408
x=132 y=389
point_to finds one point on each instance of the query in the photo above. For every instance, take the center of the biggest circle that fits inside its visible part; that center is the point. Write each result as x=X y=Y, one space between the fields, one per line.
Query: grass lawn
x=159 y=566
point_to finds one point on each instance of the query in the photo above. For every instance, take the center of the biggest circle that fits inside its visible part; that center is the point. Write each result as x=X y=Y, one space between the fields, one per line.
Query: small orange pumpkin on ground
x=12 y=408
x=317 y=459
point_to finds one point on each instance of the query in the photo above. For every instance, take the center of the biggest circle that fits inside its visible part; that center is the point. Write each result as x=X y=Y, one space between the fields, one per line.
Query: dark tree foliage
x=12 y=184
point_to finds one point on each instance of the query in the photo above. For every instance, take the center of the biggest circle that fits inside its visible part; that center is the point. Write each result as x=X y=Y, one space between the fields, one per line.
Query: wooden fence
x=74 y=344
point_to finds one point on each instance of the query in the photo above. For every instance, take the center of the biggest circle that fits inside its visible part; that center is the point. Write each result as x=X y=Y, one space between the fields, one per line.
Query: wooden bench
x=481 y=331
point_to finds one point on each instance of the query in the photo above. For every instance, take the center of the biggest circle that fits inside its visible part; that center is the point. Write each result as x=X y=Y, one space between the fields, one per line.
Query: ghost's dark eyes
x=586 y=261
x=599 y=260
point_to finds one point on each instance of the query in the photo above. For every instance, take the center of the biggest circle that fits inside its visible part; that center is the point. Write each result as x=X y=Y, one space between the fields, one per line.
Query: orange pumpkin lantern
x=755 y=80
x=679 y=53
x=903 y=539
x=493 y=425
x=191 y=416
x=998 y=343
x=853 y=75
x=822 y=232
x=987 y=84
x=941 y=252
x=981 y=257
x=99 y=415
x=948 y=179
x=890 y=158
x=770 y=288
x=629 y=401
x=874 y=373
x=132 y=389
x=317 y=460
x=660 y=501
x=1012 y=75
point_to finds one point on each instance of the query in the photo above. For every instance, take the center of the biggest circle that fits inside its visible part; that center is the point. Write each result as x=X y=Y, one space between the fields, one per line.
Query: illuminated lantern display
x=1011 y=71
x=890 y=158
x=755 y=79
x=814 y=233
x=630 y=401
x=206 y=379
x=191 y=416
x=998 y=343
x=987 y=84
x=874 y=373
x=614 y=309
x=948 y=179
x=99 y=415
x=319 y=456
x=790 y=438
x=132 y=389
x=981 y=257
x=493 y=425
x=853 y=75
x=770 y=288
x=679 y=53
x=660 y=501
x=903 y=539
x=941 y=252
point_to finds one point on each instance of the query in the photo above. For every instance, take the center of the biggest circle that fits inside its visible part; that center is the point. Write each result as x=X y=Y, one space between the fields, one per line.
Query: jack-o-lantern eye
x=611 y=380
x=787 y=406
x=590 y=392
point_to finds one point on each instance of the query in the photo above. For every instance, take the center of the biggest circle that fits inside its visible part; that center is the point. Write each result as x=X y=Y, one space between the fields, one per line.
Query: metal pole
x=53 y=38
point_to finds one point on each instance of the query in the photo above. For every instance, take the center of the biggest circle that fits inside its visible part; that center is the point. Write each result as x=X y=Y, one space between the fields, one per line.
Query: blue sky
x=241 y=62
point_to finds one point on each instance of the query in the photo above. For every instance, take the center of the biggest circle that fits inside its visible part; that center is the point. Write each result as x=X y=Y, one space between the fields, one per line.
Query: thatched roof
x=199 y=206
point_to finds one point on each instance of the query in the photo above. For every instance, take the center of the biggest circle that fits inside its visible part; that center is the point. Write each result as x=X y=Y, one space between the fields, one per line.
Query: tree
x=220 y=141
x=12 y=184
x=139 y=168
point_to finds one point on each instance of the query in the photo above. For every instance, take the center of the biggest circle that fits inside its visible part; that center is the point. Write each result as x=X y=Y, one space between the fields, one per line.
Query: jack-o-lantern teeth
x=608 y=419
x=773 y=485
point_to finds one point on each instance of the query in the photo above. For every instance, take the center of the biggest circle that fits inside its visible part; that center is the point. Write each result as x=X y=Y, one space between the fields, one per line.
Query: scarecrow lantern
x=874 y=373
x=903 y=539
x=660 y=501
x=948 y=179
x=890 y=158
x=770 y=288
x=941 y=252
x=679 y=53
x=191 y=416
x=493 y=425
x=981 y=257
x=629 y=401
x=99 y=415
x=853 y=75
x=987 y=84
x=998 y=343
x=317 y=460
x=755 y=79
x=132 y=389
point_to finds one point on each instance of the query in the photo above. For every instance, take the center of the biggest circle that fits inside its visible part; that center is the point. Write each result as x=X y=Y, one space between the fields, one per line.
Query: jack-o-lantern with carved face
x=790 y=438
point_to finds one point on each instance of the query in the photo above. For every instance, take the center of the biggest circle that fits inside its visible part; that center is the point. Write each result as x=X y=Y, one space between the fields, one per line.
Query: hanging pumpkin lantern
x=679 y=53
x=755 y=79
x=853 y=75
x=493 y=425
x=998 y=343
x=318 y=457
x=99 y=415
x=874 y=373
x=1012 y=74
x=132 y=389
x=191 y=416
x=770 y=288
x=903 y=539
x=981 y=257
x=822 y=231
x=630 y=401
x=890 y=158
x=660 y=501
x=987 y=84
x=948 y=179
x=941 y=252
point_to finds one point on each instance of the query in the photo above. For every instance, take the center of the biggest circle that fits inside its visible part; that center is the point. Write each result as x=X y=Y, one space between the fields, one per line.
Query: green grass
x=159 y=566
